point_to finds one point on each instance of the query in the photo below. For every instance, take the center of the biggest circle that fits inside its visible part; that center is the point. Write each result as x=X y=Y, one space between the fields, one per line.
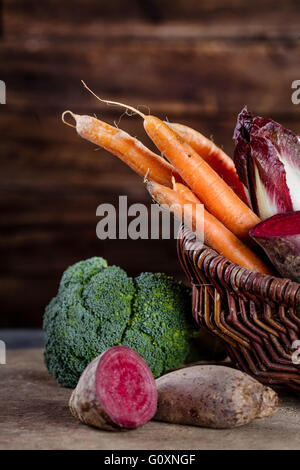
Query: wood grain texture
x=263 y=12
x=201 y=77
x=193 y=62
x=34 y=415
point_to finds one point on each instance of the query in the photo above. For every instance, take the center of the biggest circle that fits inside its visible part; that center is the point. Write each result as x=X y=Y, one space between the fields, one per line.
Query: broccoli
x=99 y=306
x=161 y=327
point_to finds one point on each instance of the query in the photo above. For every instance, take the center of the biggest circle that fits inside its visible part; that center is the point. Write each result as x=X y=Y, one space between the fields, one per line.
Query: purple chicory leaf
x=271 y=194
x=267 y=158
x=241 y=137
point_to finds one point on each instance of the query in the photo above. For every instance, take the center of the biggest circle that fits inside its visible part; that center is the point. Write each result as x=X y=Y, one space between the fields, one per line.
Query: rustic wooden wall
x=194 y=61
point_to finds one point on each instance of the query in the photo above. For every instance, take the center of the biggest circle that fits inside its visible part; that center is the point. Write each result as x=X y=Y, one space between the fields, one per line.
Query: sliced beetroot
x=116 y=391
x=279 y=236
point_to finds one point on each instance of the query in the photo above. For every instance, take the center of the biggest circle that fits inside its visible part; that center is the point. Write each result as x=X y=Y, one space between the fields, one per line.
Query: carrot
x=185 y=191
x=216 y=235
x=219 y=199
x=142 y=160
x=213 y=155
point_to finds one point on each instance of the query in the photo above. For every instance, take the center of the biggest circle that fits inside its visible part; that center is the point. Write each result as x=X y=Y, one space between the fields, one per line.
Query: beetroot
x=116 y=391
x=279 y=236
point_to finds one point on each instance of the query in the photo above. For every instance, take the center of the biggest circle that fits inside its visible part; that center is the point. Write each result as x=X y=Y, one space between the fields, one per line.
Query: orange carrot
x=213 y=155
x=219 y=199
x=185 y=192
x=142 y=160
x=216 y=235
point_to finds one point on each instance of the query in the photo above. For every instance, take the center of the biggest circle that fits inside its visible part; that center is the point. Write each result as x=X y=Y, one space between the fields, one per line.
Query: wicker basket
x=257 y=316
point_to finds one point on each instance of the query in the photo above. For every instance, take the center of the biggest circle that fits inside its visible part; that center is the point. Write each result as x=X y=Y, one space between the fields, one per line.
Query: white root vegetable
x=213 y=396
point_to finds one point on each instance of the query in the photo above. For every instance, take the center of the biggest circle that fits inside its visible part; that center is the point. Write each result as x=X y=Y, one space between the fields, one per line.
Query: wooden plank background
x=194 y=62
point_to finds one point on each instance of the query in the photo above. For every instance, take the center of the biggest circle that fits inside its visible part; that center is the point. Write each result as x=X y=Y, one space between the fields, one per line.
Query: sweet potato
x=116 y=391
x=213 y=396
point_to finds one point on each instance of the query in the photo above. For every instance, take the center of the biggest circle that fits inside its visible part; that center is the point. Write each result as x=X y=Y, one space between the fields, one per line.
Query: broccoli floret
x=88 y=316
x=161 y=326
x=99 y=306
x=109 y=296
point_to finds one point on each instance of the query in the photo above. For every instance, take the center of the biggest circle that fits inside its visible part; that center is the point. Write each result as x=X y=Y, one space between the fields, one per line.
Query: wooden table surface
x=34 y=415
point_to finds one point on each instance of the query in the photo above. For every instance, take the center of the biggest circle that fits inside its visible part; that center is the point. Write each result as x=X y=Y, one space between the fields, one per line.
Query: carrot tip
x=114 y=102
x=64 y=120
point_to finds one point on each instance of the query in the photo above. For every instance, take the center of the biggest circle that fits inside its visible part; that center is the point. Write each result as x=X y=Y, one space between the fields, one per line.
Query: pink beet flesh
x=280 y=225
x=126 y=387
x=279 y=236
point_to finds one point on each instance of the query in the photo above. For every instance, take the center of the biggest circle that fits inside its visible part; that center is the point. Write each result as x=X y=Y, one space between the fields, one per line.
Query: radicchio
x=267 y=159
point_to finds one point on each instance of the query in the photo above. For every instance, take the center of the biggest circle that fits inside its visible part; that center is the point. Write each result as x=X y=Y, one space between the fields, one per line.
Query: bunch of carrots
x=196 y=172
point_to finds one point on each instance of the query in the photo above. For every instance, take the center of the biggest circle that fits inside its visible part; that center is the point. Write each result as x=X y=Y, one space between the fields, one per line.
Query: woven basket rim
x=272 y=288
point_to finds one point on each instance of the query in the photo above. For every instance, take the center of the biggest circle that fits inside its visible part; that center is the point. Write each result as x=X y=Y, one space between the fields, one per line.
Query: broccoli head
x=99 y=306
x=161 y=328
